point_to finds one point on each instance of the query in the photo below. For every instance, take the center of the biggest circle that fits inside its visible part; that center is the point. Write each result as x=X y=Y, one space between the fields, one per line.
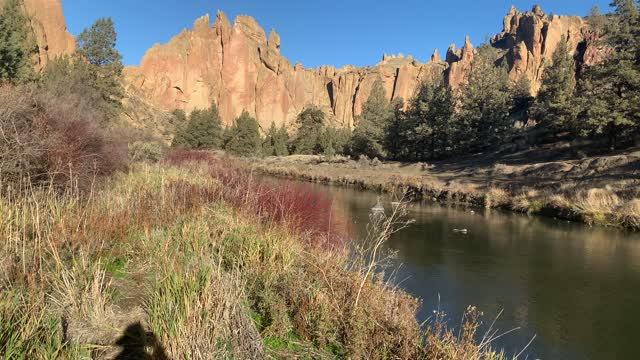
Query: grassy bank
x=615 y=202
x=195 y=259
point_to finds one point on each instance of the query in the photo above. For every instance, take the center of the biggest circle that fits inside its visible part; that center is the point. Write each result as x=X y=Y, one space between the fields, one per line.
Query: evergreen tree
x=429 y=119
x=244 y=136
x=17 y=46
x=181 y=138
x=275 y=142
x=203 y=130
x=97 y=45
x=395 y=131
x=368 y=135
x=597 y=21
x=523 y=101
x=268 y=145
x=281 y=141
x=310 y=123
x=554 y=106
x=485 y=103
x=610 y=92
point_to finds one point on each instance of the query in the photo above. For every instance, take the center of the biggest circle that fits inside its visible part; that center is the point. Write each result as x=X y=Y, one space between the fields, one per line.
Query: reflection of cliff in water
x=577 y=288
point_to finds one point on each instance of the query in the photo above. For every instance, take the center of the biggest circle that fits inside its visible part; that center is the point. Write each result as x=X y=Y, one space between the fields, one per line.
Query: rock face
x=239 y=67
x=48 y=25
x=531 y=38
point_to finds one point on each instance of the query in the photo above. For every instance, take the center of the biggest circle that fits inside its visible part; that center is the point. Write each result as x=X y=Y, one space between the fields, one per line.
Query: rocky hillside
x=49 y=28
x=240 y=68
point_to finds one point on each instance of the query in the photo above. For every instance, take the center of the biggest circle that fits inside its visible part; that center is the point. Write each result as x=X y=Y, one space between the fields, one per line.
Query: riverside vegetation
x=110 y=247
x=208 y=262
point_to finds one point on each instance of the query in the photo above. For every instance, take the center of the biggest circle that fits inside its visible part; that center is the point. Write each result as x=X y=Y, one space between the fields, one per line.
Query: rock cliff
x=49 y=28
x=239 y=67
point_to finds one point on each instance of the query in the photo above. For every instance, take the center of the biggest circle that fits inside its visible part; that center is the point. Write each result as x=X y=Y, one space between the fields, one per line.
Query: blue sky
x=317 y=32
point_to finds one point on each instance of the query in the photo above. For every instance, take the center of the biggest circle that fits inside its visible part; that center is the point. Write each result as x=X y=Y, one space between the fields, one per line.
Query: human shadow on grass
x=137 y=343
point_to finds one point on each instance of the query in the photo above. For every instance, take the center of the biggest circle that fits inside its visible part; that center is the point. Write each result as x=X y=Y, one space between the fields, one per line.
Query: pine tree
x=554 y=106
x=244 y=136
x=394 y=133
x=203 y=131
x=268 y=145
x=523 y=101
x=181 y=138
x=310 y=123
x=610 y=92
x=281 y=141
x=97 y=45
x=17 y=46
x=485 y=102
x=368 y=135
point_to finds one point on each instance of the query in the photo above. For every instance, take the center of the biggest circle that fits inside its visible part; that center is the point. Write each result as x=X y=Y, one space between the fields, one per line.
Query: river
x=575 y=288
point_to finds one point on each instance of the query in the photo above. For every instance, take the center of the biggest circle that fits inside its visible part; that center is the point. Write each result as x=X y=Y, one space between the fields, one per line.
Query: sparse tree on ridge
x=97 y=45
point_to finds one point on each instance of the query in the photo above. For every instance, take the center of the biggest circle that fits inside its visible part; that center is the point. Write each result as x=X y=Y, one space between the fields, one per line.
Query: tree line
x=599 y=102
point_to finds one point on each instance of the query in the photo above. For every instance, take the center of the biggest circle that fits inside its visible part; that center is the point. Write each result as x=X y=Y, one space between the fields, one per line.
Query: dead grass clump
x=629 y=214
x=496 y=198
x=444 y=343
x=596 y=206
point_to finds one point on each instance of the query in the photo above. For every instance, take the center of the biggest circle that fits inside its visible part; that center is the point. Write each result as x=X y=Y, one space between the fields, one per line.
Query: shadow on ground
x=137 y=343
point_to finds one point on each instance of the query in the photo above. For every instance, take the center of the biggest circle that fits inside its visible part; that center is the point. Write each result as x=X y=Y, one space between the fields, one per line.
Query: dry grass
x=169 y=262
x=597 y=206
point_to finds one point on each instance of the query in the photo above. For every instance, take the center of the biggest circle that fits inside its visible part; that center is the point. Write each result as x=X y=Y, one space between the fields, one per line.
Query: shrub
x=48 y=139
x=145 y=151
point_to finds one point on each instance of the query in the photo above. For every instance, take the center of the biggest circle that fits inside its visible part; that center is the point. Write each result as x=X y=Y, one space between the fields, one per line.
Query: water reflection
x=576 y=287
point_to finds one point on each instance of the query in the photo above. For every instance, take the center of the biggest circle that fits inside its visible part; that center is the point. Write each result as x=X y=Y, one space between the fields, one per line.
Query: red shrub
x=296 y=206
x=177 y=157
x=77 y=151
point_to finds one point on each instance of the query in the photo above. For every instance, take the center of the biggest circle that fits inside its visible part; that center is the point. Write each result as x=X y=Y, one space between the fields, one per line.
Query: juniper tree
x=610 y=92
x=310 y=124
x=281 y=141
x=17 y=46
x=97 y=45
x=244 y=136
x=554 y=106
x=368 y=135
x=485 y=103
x=395 y=131
x=523 y=101
x=275 y=142
x=203 y=130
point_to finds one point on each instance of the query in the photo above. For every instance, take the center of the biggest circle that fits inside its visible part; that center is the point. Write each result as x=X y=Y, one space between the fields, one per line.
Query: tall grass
x=193 y=259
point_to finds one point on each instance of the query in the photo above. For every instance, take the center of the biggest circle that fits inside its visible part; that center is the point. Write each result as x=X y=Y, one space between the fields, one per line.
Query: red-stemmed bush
x=297 y=206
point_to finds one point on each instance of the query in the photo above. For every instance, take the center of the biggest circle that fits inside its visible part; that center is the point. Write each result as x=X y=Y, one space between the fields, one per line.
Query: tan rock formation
x=531 y=38
x=48 y=25
x=239 y=68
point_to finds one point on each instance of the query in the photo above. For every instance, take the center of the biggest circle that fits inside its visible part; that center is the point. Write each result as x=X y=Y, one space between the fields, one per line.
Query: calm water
x=576 y=288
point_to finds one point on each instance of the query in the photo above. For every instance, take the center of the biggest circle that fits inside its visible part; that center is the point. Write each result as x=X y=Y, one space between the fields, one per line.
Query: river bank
x=603 y=191
x=195 y=258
